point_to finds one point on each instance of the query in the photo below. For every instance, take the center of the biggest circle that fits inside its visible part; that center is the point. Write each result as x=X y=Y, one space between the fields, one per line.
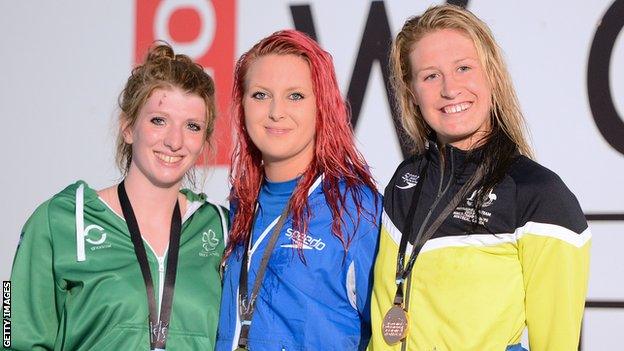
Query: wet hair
x=508 y=134
x=162 y=69
x=335 y=154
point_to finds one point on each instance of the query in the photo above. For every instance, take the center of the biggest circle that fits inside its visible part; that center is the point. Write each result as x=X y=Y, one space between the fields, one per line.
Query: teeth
x=457 y=108
x=168 y=159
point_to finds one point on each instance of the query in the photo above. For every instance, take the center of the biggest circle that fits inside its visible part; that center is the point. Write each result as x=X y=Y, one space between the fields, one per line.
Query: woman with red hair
x=304 y=206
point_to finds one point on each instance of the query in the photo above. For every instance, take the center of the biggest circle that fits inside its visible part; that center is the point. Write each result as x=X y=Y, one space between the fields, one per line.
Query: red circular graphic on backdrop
x=184 y=25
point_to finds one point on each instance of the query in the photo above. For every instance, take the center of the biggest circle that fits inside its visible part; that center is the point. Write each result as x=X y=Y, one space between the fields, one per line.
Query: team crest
x=209 y=243
x=487 y=199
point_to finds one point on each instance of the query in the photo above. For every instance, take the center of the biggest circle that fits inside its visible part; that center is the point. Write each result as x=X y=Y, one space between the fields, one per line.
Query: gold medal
x=394 y=325
x=241 y=349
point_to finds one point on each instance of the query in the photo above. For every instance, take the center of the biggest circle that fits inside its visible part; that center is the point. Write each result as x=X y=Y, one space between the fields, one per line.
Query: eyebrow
x=200 y=120
x=259 y=86
x=455 y=62
x=425 y=68
x=464 y=59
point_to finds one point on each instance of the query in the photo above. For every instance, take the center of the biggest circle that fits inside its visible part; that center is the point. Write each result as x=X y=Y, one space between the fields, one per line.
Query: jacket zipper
x=161 y=281
x=440 y=193
x=439 y=196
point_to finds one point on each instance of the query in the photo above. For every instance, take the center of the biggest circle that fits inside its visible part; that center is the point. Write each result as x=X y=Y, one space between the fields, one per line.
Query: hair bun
x=160 y=52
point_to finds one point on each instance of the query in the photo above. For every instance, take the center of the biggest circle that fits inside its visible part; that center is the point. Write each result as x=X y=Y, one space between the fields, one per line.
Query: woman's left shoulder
x=527 y=174
x=367 y=196
x=541 y=196
x=200 y=204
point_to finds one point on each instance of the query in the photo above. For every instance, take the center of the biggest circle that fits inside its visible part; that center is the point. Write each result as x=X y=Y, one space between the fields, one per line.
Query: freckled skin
x=163 y=128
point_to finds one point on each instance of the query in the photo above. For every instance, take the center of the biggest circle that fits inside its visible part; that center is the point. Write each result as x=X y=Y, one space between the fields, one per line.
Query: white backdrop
x=64 y=63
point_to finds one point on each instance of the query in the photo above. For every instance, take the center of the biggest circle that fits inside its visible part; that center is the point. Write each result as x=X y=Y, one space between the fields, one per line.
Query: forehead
x=279 y=70
x=442 y=46
x=174 y=99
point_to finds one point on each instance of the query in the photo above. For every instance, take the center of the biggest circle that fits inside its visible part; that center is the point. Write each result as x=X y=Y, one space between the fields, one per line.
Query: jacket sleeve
x=554 y=244
x=385 y=285
x=360 y=275
x=34 y=318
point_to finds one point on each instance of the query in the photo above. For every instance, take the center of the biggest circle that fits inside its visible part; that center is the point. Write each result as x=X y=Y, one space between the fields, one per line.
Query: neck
x=473 y=141
x=146 y=198
x=281 y=171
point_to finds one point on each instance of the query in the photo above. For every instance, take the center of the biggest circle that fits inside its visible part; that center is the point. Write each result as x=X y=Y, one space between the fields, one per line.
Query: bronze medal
x=394 y=325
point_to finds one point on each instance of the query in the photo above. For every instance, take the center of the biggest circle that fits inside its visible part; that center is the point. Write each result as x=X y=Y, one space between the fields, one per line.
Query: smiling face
x=451 y=88
x=280 y=113
x=167 y=137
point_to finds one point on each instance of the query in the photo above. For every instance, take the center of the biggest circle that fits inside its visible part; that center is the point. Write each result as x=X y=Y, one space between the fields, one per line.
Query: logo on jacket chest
x=96 y=236
x=306 y=242
x=410 y=180
x=210 y=241
x=488 y=199
x=468 y=213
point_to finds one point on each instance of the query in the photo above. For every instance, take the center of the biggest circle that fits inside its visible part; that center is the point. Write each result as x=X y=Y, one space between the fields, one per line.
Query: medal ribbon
x=248 y=303
x=158 y=325
x=402 y=271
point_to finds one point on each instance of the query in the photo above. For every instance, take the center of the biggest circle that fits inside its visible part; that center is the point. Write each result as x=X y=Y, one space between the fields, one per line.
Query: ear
x=413 y=97
x=125 y=129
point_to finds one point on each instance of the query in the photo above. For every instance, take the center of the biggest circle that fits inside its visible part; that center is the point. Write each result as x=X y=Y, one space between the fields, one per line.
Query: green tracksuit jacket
x=77 y=285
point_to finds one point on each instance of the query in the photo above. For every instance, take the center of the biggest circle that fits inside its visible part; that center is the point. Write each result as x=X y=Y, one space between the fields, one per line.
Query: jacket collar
x=462 y=162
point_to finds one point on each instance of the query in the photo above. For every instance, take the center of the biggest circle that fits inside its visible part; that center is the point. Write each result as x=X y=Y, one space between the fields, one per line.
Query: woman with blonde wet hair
x=134 y=266
x=478 y=241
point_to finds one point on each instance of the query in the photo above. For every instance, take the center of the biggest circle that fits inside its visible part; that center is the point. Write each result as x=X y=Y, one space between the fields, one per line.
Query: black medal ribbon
x=403 y=271
x=247 y=303
x=158 y=325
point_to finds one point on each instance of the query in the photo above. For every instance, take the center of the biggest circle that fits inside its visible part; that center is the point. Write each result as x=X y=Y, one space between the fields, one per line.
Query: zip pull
x=161 y=264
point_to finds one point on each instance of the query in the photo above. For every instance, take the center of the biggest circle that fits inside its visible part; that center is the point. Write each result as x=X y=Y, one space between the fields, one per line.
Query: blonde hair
x=162 y=69
x=505 y=112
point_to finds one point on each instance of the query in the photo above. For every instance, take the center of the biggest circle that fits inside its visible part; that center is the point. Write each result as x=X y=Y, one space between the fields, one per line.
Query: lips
x=278 y=131
x=167 y=158
x=456 y=108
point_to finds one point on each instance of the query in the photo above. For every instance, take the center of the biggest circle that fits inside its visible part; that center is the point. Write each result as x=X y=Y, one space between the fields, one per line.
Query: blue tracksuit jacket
x=322 y=304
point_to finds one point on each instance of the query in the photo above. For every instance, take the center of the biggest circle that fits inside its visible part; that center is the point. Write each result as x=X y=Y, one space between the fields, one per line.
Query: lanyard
x=248 y=302
x=158 y=326
x=402 y=272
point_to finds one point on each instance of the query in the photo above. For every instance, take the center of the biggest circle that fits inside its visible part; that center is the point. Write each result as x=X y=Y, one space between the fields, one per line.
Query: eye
x=431 y=76
x=464 y=68
x=295 y=96
x=258 y=95
x=159 y=121
x=194 y=126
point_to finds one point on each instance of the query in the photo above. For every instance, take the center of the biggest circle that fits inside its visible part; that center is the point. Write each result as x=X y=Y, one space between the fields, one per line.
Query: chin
x=167 y=182
x=275 y=156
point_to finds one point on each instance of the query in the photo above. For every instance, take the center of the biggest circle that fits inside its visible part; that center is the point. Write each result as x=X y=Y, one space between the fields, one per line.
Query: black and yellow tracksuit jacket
x=479 y=291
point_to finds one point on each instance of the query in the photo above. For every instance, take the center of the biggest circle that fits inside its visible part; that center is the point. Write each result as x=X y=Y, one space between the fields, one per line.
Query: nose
x=173 y=138
x=450 y=88
x=276 y=112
